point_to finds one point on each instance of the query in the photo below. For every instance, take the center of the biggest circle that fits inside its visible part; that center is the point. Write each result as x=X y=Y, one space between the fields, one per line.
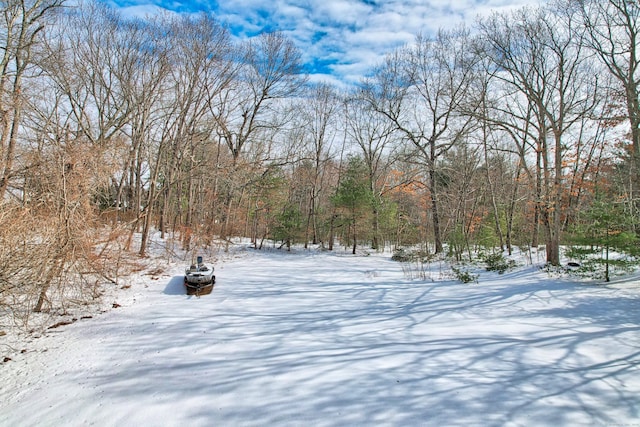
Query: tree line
x=517 y=131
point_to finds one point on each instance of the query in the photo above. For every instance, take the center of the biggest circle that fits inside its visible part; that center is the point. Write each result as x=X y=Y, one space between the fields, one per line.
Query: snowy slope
x=322 y=339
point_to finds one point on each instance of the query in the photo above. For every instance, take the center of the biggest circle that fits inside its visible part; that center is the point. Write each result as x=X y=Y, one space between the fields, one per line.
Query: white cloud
x=346 y=37
x=345 y=12
x=142 y=11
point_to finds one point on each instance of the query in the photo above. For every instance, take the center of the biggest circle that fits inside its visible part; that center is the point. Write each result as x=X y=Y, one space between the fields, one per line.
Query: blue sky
x=340 y=39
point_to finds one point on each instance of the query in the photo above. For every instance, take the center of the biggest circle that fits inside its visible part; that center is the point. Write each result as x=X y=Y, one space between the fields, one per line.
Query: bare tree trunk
x=355 y=236
x=435 y=215
x=492 y=191
x=23 y=21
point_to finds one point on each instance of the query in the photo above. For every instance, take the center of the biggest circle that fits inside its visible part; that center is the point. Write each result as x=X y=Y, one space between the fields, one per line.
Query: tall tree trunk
x=11 y=131
x=434 y=212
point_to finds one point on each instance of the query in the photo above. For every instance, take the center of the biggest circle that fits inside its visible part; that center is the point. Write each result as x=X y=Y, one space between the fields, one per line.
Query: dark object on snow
x=199 y=279
x=573 y=264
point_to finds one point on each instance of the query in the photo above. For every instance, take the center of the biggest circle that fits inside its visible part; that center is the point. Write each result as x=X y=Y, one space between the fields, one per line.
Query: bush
x=401 y=255
x=464 y=276
x=497 y=262
x=601 y=269
x=418 y=255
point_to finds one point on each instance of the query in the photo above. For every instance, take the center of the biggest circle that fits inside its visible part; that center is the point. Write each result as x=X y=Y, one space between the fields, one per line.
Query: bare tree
x=420 y=90
x=317 y=117
x=200 y=64
x=270 y=70
x=541 y=59
x=503 y=133
x=613 y=29
x=91 y=61
x=22 y=21
x=374 y=136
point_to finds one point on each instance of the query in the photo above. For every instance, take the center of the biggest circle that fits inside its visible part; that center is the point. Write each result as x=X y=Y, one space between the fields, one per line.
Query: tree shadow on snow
x=350 y=349
x=175 y=286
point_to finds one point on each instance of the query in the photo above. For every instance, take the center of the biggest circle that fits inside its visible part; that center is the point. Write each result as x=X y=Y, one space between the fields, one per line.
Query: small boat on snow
x=199 y=278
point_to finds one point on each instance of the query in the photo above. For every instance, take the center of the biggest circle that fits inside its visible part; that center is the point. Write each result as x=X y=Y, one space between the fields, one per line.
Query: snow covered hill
x=324 y=339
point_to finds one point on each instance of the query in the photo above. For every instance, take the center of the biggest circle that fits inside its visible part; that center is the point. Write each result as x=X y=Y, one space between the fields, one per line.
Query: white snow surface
x=315 y=338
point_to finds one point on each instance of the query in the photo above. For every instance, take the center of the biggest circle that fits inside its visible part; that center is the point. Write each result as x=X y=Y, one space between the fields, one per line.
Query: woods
x=499 y=135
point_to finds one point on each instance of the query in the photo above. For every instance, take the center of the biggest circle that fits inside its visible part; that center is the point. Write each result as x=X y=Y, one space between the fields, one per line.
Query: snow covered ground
x=324 y=339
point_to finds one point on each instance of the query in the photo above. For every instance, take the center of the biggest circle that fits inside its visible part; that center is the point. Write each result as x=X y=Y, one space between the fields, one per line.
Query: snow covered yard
x=321 y=339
